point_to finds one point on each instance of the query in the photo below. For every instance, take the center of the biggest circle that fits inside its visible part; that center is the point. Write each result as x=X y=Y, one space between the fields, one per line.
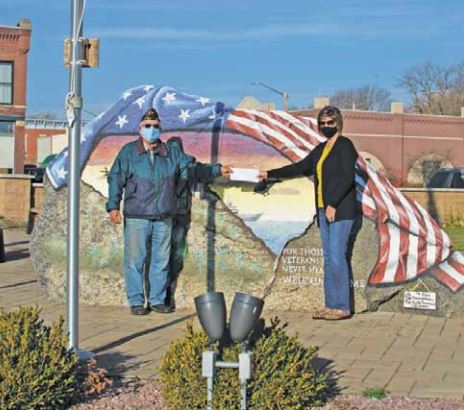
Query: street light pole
x=73 y=110
x=284 y=94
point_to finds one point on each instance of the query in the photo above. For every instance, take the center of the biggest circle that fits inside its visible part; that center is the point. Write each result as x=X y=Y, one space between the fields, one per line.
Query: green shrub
x=376 y=393
x=37 y=371
x=284 y=375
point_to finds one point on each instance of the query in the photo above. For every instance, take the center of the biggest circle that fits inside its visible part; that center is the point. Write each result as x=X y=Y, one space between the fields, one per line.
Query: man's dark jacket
x=149 y=187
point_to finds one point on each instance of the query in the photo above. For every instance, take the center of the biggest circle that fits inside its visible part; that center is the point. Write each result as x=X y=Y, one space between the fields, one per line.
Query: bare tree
x=435 y=89
x=367 y=97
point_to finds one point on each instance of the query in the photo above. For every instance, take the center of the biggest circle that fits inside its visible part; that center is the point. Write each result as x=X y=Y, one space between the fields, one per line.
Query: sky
x=218 y=49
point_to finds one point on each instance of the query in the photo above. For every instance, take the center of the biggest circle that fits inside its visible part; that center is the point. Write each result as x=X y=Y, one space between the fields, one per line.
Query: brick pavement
x=407 y=354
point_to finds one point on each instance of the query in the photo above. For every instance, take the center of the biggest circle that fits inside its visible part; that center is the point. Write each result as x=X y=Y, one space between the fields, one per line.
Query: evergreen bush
x=37 y=370
x=284 y=375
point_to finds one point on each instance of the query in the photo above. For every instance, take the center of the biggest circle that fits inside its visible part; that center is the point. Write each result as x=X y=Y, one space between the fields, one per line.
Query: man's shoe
x=138 y=310
x=161 y=308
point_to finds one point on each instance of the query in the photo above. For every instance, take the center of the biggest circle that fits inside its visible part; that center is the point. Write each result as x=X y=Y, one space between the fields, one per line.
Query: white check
x=245 y=174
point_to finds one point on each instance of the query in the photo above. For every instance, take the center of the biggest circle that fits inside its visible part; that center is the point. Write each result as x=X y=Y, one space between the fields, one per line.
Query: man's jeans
x=336 y=238
x=139 y=234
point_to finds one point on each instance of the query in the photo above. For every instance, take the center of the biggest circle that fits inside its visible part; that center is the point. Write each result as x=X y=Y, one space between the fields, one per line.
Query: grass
x=376 y=393
x=6 y=223
x=457 y=236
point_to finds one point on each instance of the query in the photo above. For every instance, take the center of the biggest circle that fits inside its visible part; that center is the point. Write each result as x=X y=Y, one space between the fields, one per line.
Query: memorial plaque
x=420 y=300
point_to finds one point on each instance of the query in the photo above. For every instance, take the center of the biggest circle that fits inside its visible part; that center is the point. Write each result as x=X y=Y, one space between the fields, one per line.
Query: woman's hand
x=330 y=213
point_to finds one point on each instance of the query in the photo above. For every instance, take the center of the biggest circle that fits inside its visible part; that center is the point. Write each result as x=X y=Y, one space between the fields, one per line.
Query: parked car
x=36 y=171
x=447 y=178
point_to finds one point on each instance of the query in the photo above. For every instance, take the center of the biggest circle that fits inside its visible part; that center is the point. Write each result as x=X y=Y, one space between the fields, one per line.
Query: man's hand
x=330 y=213
x=115 y=216
x=226 y=170
x=262 y=175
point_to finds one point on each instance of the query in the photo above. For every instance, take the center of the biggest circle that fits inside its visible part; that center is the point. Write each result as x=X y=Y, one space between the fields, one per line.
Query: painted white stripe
x=392 y=211
x=453 y=273
x=365 y=200
x=260 y=128
x=394 y=244
x=446 y=244
x=414 y=229
x=282 y=126
x=431 y=238
x=393 y=254
x=313 y=120
x=51 y=178
x=458 y=257
x=301 y=125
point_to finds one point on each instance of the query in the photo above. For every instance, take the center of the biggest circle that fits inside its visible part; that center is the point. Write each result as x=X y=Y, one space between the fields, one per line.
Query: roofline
x=14 y=27
x=383 y=112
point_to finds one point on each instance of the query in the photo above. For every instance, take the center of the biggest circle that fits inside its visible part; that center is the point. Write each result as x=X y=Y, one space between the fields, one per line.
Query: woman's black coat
x=338 y=187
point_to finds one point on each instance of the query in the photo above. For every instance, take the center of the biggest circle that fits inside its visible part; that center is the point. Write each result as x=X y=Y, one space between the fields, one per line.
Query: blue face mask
x=150 y=134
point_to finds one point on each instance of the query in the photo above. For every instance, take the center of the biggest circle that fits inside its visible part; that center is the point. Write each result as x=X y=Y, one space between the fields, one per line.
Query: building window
x=6 y=129
x=6 y=82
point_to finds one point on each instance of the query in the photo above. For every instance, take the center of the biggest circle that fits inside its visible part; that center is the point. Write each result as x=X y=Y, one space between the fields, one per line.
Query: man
x=147 y=172
x=193 y=172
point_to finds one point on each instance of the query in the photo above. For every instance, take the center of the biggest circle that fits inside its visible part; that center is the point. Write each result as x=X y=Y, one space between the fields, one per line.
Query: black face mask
x=329 y=132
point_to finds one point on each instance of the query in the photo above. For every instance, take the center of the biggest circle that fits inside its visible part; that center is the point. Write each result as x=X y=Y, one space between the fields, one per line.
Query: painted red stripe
x=308 y=137
x=378 y=273
x=446 y=279
x=281 y=130
x=422 y=238
x=263 y=138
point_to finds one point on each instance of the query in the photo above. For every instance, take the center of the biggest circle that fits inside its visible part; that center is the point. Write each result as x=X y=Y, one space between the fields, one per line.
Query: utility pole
x=284 y=94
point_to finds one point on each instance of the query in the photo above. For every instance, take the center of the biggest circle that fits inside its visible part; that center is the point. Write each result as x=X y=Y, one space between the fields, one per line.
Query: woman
x=332 y=163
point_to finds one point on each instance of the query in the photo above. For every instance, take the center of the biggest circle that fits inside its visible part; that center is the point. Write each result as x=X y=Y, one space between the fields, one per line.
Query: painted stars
x=184 y=115
x=203 y=101
x=61 y=173
x=122 y=120
x=169 y=98
x=126 y=95
x=140 y=101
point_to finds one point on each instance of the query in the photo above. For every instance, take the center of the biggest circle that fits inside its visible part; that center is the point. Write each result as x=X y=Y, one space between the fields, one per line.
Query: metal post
x=74 y=138
x=285 y=95
x=208 y=370
x=243 y=389
x=209 y=399
x=2 y=247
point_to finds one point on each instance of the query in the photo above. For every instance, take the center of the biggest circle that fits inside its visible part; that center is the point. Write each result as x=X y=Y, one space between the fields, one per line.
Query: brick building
x=14 y=48
x=406 y=147
x=42 y=138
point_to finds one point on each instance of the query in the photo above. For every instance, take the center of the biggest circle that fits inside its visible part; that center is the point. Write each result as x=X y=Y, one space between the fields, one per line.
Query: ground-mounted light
x=211 y=312
x=246 y=310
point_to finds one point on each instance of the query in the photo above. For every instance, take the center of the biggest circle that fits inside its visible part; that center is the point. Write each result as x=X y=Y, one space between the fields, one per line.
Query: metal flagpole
x=73 y=110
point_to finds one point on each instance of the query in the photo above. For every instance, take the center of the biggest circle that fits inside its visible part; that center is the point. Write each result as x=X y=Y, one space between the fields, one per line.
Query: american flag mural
x=411 y=242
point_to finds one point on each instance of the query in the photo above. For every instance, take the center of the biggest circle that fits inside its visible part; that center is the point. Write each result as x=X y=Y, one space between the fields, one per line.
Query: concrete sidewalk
x=407 y=354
